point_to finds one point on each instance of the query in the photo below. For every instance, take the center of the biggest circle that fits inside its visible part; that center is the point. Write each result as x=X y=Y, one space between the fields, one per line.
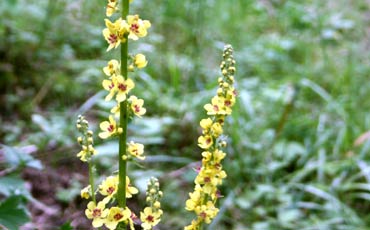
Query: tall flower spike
x=210 y=175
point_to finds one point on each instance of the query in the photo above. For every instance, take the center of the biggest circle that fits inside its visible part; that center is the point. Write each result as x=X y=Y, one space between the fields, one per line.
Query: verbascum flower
x=115 y=216
x=210 y=175
x=85 y=192
x=115 y=32
x=137 y=27
x=112 y=69
x=140 y=61
x=108 y=187
x=111 y=7
x=123 y=87
x=97 y=213
x=136 y=106
x=130 y=190
x=109 y=128
x=136 y=150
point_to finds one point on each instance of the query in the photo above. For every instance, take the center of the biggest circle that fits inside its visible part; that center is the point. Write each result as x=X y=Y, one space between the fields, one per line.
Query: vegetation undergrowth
x=298 y=134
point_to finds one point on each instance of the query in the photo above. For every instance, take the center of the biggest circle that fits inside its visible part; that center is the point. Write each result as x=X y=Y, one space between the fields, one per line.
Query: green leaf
x=13 y=213
x=13 y=185
x=66 y=226
x=16 y=158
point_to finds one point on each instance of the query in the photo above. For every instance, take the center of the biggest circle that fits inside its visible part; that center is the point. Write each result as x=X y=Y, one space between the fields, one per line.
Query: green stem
x=122 y=163
x=91 y=180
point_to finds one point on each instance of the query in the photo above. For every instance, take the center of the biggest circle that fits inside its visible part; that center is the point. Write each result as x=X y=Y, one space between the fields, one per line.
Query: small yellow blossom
x=136 y=150
x=110 y=86
x=115 y=32
x=137 y=106
x=217 y=107
x=140 y=61
x=130 y=190
x=115 y=216
x=85 y=192
x=96 y=212
x=123 y=87
x=108 y=187
x=113 y=68
x=216 y=129
x=109 y=128
x=206 y=123
x=207 y=212
x=137 y=27
x=149 y=218
x=205 y=142
x=111 y=7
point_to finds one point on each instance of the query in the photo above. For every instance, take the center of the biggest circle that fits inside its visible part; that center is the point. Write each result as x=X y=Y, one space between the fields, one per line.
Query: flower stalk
x=122 y=156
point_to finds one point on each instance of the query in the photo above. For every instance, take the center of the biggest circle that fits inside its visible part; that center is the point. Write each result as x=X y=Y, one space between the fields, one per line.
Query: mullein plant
x=202 y=201
x=111 y=210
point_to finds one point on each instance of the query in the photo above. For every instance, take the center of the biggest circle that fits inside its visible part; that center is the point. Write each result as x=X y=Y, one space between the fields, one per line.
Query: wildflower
x=123 y=87
x=130 y=190
x=108 y=187
x=140 y=61
x=110 y=86
x=149 y=218
x=115 y=32
x=113 y=68
x=206 y=123
x=137 y=106
x=217 y=107
x=96 y=212
x=207 y=212
x=109 y=128
x=111 y=7
x=115 y=216
x=205 y=142
x=136 y=150
x=85 y=192
x=137 y=27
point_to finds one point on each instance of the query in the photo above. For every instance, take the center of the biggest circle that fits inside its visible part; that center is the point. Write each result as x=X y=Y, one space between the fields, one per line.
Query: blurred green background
x=298 y=153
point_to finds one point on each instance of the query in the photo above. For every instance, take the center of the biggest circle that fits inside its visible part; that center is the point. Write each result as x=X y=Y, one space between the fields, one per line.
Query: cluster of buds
x=210 y=175
x=86 y=140
x=151 y=215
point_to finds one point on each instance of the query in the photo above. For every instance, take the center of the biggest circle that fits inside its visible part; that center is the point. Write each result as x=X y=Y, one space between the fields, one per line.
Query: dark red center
x=110 y=128
x=112 y=38
x=118 y=216
x=150 y=218
x=122 y=87
x=110 y=190
x=134 y=28
x=96 y=212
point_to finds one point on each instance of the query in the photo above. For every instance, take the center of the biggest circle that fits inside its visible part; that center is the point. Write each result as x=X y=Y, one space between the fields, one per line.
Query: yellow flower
x=217 y=107
x=111 y=7
x=110 y=86
x=149 y=218
x=123 y=87
x=85 y=192
x=113 y=68
x=216 y=129
x=206 y=123
x=140 y=61
x=96 y=212
x=108 y=187
x=205 y=142
x=193 y=226
x=207 y=212
x=137 y=106
x=115 y=216
x=130 y=190
x=194 y=200
x=137 y=27
x=136 y=150
x=115 y=32
x=109 y=128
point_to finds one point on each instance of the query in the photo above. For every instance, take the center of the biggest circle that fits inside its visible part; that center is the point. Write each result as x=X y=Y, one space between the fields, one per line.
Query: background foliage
x=299 y=150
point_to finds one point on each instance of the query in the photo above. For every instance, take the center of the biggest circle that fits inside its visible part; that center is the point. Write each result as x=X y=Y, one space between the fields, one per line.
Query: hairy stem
x=122 y=162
